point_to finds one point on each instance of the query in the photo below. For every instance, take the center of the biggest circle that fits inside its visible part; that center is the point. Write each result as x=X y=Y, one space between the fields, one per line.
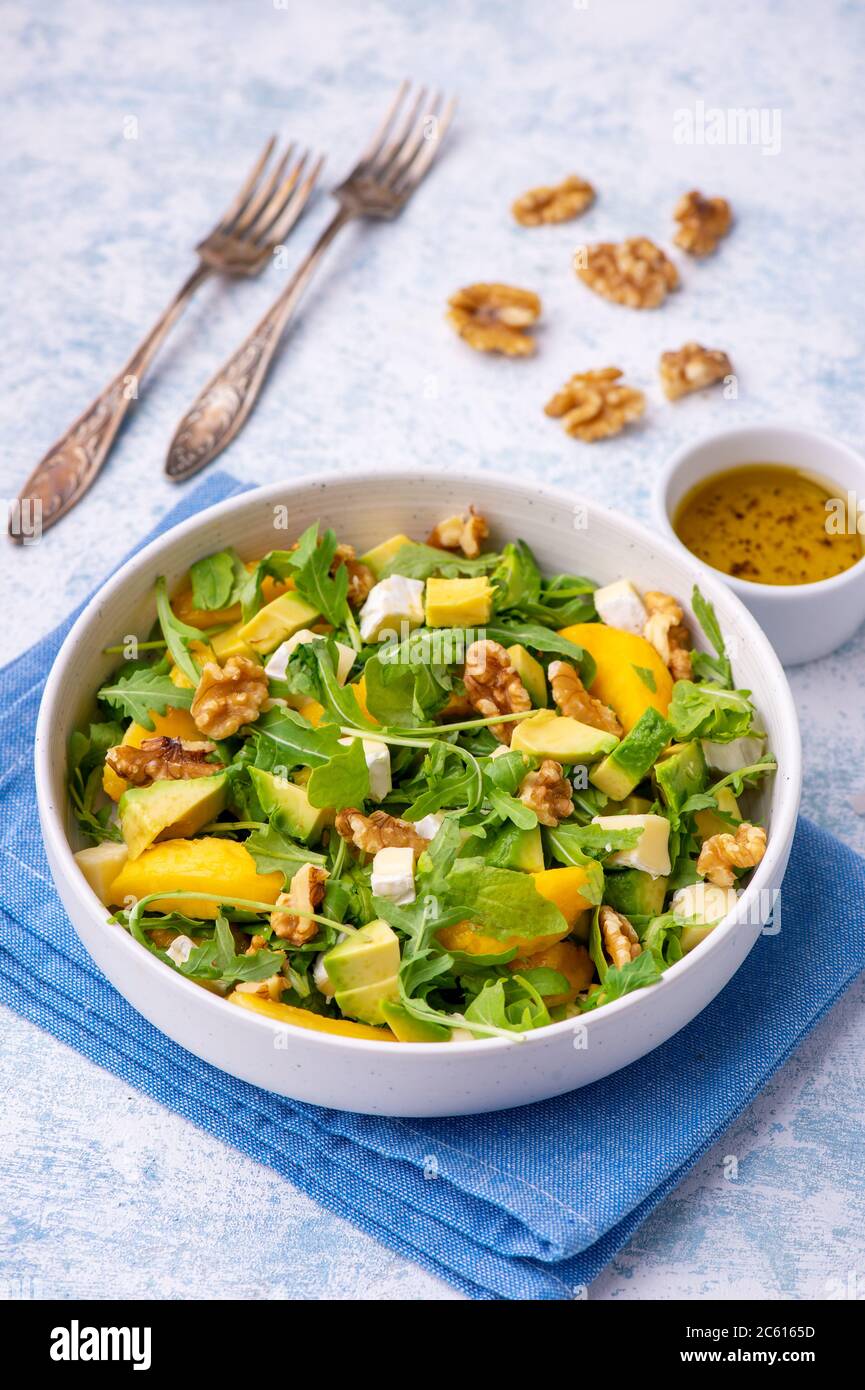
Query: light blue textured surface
x=100 y=1186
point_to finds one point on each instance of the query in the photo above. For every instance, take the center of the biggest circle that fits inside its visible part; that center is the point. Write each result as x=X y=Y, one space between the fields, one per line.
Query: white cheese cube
x=180 y=949
x=100 y=865
x=651 y=853
x=429 y=826
x=702 y=904
x=392 y=603
x=729 y=757
x=278 y=661
x=377 y=756
x=619 y=605
x=393 y=875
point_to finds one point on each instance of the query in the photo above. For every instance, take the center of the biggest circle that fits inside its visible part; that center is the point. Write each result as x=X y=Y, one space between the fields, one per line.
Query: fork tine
x=286 y=220
x=376 y=144
x=235 y=207
x=381 y=165
x=414 y=140
x=416 y=170
x=261 y=196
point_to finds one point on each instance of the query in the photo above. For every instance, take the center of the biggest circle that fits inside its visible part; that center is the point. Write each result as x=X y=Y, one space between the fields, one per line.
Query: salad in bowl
x=429 y=793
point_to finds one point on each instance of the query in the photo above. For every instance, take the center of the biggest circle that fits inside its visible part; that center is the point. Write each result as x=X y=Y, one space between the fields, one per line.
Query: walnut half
x=634 y=272
x=667 y=633
x=596 y=405
x=721 y=854
x=692 y=368
x=574 y=701
x=378 y=831
x=702 y=222
x=560 y=203
x=493 y=686
x=463 y=533
x=621 y=942
x=229 y=696
x=162 y=759
x=305 y=893
x=547 y=792
x=494 y=318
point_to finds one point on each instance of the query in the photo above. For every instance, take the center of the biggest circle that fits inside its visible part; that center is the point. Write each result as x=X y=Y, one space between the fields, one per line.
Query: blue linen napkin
x=528 y=1203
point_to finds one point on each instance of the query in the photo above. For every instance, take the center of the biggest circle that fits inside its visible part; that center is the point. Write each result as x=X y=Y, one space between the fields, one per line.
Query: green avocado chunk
x=172 y=809
x=290 y=805
x=681 y=775
x=531 y=673
x=549 y=735
x=363 y=971
x=632 y=760
x=512 y=848
x=635 y=893
x=277 y=621
x=409 y=1029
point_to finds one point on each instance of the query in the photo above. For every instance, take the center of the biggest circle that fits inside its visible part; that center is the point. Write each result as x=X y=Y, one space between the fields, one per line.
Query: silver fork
x=381 y=183
x=260 y=217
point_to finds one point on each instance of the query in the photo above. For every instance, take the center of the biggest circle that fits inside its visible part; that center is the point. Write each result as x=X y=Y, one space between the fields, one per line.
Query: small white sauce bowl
x=802 y=621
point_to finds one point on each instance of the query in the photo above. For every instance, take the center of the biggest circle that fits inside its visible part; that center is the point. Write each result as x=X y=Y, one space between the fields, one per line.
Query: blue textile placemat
x=527 y=1203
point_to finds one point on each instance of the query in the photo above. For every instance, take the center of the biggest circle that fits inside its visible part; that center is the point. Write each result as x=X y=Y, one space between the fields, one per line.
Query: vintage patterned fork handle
x=74 y=461
x=222 y=408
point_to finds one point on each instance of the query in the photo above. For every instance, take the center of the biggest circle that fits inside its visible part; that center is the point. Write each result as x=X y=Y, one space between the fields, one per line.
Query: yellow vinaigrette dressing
x=766 y=523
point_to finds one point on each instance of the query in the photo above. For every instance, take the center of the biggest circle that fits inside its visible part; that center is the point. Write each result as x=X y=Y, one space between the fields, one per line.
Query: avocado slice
x=631 y=806
x=363 y=971
x=512 y=848
x=382 y=554
x=681 y=775
x=169 y=810
x=409 y=1029
x=549 y=735
x=628 y=764
x=289 y=803
x=277 y=621
x=531 y=673
x=635 y=893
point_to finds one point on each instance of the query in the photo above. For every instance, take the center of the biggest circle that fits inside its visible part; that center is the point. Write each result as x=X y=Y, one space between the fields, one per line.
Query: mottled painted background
x=98 y=1187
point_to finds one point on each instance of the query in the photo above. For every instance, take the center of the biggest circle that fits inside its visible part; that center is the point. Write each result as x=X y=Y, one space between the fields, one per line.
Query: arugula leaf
x=406 y=693
x=647 y=676
x=513 y=1005
x=282 y=737
x=86 y=760
x=505 y=901
x=341 y=781
x=516 y=578
x=177 y=634
x=596 y=841
x=709 y=711
x=217 y=959
x=313 y=668
x=662 y=939
x=746 y=776
x=213 y=580
x=142 y=690
x=275 y=852
x=545 y=980
x=567 y=851
x=417 y=561
x=312 y=564
x=714 y=668
x=622 y=980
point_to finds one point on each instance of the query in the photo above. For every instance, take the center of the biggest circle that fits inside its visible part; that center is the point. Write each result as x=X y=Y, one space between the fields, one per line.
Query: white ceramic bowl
x=402 y=1078
x=802 y=621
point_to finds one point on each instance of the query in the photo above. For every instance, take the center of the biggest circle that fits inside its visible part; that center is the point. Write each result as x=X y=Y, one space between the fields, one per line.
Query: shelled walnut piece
x=463 y=533
x=377 y=831
x=228 y=696
x=595 y=405
x=559 y=203
x=492 y=685
x=547 y=792
x=494 y=318
x=621 y=942
x=702 y=222
x=305 y=893
x=721 y=854
x=634 y=272
x=666 y=631
x=573 y=699
x=691 y=369
x=360 y=577
x=162 y=759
